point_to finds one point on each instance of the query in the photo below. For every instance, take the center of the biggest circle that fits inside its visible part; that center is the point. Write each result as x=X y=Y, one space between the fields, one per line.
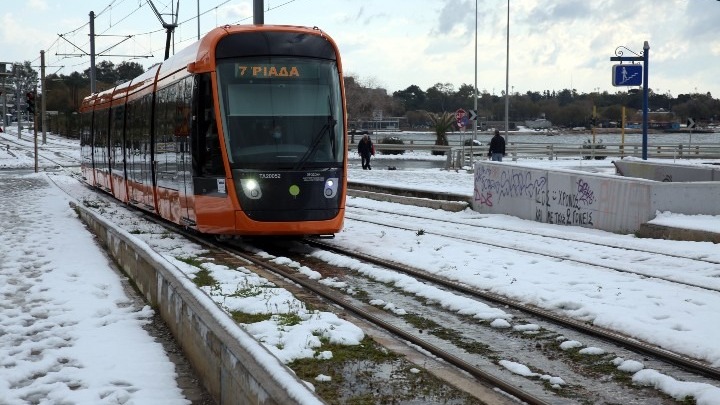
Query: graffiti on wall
x=492 y=183
x=568 y=208
x=555 y=205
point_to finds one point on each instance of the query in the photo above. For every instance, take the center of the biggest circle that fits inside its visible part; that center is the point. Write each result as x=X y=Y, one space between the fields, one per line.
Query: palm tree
x=441 y=124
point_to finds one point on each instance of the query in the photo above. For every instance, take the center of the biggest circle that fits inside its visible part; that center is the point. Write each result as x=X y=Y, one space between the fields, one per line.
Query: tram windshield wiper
x=328 y=128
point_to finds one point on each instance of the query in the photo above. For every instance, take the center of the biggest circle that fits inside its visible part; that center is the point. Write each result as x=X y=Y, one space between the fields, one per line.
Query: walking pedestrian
x=366 y=149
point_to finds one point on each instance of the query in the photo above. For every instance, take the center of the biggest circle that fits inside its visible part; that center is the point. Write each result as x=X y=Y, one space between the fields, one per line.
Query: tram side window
x=165 y=158
x=207 y=156
x=86 y=138
x=117 y=124
x=100 y=140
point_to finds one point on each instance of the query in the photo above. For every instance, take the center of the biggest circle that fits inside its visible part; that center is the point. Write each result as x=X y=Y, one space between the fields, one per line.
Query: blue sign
x=627 y=75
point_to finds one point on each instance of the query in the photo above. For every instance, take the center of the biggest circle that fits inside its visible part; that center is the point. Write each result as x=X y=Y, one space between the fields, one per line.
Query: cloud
x=37 y=5
x=456 y=13
x=236 y=12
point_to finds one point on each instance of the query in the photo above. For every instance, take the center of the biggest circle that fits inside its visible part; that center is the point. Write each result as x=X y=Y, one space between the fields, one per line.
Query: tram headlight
x=251 y=188
x=331 y=187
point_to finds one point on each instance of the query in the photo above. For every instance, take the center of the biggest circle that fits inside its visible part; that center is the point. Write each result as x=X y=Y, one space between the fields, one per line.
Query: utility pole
x=92 y=53
x=34 y=114
x=43 y=113
x=93 y=81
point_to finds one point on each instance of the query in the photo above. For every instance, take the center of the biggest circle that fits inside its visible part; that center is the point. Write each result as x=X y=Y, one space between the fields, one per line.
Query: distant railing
x=442 y=150
x=458 y=156
x=604 y=150
x=413 y=146
x=517 y=151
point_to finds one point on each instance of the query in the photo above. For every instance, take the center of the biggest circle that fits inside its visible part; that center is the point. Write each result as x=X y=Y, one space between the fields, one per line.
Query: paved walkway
x=71 y=329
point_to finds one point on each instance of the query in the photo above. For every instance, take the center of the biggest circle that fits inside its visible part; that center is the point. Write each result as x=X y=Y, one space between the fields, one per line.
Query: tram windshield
x=281 y=112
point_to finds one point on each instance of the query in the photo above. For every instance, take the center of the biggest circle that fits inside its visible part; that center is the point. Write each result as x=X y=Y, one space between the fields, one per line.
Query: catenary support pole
x=43 y=114
x=35 y=140
x=92 y=53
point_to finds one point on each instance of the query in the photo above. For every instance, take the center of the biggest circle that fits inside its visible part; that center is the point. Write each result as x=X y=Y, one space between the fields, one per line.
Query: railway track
x=701 y=271
x=288 y=277
x=688 y=367
x=536 y=243
x=369 y=314
x=53 y=151
x=689 y=364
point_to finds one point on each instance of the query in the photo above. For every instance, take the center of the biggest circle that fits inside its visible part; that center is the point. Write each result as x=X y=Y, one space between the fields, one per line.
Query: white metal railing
x=604 y=150
x=460 y=156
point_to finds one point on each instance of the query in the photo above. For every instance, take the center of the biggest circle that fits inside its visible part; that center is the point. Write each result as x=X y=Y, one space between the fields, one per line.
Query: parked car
x=354 y=131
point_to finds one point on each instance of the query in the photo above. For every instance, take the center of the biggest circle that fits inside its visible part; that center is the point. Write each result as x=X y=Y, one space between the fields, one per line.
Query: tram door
x=207 y=162
x=183 y=159
x=139 y=156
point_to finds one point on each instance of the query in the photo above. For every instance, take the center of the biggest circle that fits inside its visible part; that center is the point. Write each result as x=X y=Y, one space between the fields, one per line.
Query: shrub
x=395 y=141
x=590 y=145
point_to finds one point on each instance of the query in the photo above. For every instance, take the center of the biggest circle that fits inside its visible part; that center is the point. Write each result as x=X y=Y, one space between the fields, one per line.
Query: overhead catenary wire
x=141 y=40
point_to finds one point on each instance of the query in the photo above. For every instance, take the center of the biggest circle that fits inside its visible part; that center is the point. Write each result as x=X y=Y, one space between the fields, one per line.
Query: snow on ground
x=78 y=315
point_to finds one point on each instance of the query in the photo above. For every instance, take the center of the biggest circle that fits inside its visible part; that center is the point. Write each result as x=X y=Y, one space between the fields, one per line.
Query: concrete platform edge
x=436 y=200
x=230 y=363
x=667 y=232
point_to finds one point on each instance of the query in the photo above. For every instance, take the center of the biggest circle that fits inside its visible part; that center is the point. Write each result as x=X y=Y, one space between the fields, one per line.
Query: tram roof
x=197 y=57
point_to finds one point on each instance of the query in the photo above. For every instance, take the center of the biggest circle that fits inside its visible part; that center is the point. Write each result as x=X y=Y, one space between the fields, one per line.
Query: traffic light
x=30 y=102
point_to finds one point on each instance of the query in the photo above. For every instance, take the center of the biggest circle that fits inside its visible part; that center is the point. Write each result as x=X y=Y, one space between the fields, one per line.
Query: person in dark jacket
x=497 y=147
x=366 y=149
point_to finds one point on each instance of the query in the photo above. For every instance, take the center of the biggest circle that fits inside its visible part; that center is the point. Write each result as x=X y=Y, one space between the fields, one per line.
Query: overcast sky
x=554 y=44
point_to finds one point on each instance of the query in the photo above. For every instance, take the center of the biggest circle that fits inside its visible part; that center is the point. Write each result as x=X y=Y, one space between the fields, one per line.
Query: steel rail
x=686 y=363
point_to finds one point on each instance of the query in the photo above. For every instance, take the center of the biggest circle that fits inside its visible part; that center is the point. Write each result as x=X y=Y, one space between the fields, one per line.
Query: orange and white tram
x=242 y=133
